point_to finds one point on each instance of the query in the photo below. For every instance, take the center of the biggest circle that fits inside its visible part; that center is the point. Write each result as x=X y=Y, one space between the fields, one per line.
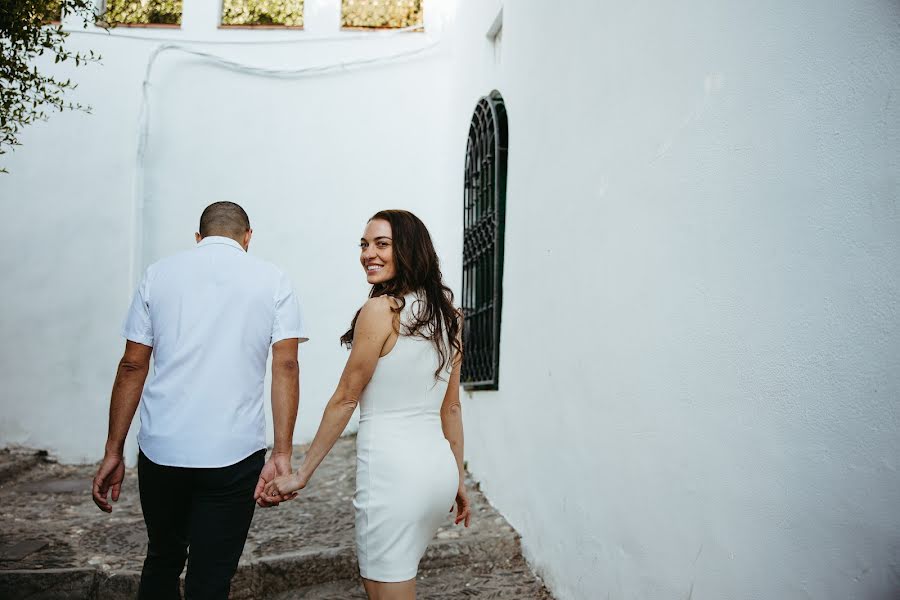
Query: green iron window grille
x=484 y=213
x=380 y=14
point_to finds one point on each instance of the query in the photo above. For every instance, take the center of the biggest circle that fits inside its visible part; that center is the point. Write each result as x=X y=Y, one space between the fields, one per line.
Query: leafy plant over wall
x=287 y=13
x=30 y=29
x=380 y=14
x=143 y=12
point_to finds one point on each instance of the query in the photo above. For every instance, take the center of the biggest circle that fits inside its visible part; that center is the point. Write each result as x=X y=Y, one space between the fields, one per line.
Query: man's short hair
x=225 y=219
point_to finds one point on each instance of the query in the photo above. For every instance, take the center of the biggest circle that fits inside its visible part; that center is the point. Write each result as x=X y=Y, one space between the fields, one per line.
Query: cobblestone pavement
x=54 y=543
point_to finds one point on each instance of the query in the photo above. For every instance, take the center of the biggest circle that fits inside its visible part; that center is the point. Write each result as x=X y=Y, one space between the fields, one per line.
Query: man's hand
x=278 y=464
x=126 y=395
x=108 y=478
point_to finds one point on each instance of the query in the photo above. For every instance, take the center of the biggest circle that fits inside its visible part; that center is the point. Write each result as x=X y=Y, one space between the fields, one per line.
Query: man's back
x=207 y=317
x=210 y=314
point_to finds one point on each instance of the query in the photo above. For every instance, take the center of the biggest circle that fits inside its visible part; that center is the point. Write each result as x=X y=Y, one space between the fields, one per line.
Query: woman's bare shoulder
x=378 y=308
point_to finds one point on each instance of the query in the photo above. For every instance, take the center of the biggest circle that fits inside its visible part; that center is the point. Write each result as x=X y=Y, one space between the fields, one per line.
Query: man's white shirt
x=210 y=313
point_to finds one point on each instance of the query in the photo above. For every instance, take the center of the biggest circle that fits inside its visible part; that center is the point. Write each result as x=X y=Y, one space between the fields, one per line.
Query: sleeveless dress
x=406 y=474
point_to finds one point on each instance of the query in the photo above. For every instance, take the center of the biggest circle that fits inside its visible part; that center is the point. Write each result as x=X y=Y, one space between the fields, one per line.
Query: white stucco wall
x=700 y=338
x=309 y=158
x=700 y=348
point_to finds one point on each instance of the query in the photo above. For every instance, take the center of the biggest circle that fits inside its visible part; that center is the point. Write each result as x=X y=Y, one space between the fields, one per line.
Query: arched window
x=484 y=212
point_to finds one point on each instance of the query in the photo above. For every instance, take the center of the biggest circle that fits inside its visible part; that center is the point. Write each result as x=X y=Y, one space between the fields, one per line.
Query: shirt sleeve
x=138 y=326
x=288 y=322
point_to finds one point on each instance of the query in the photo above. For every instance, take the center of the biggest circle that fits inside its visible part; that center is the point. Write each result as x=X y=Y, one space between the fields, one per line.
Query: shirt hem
x=203 y=465
x=290 y=334
x=140 y=339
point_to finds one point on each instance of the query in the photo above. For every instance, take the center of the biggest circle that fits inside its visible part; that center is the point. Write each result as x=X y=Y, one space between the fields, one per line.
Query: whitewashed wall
x=699 y=389
x=700 y=359
x=309 y=158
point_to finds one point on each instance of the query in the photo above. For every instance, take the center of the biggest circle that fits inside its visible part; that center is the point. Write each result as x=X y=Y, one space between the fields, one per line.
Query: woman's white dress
x=406 y=474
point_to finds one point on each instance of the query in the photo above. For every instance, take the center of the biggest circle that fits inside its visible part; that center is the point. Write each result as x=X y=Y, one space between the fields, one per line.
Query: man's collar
x=219 y=239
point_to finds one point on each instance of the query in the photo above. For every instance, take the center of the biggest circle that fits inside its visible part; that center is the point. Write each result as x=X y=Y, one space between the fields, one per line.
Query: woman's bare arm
x=452 y=425
x=451 y=419
x=373 y=328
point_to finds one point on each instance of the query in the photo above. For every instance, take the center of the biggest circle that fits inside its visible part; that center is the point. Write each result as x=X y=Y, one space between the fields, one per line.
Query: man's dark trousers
x=206 y=510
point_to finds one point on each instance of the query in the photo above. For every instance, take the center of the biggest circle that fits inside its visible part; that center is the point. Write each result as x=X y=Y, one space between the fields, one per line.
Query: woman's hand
x=462 y=506
x=285 y=485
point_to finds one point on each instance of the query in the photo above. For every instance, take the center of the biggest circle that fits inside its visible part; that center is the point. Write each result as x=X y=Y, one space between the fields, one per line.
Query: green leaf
x=25 y=92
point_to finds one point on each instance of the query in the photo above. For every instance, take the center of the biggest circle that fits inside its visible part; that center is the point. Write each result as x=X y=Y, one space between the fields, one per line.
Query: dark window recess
x=484 y=214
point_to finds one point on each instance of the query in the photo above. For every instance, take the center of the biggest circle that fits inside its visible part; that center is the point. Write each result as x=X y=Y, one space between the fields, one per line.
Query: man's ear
x=247 y=236
x=198 y=237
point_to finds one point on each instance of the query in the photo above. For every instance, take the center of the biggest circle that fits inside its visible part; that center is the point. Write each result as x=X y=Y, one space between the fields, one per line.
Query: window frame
x=222 y=25
x=484 y=213
x=416 y=28
x=103 y=5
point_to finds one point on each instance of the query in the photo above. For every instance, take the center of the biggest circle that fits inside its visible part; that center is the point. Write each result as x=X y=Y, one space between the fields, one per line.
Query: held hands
x=286 y=485
x=278 y=466
x=109 y=477
x=111 y=473
x=462 y=506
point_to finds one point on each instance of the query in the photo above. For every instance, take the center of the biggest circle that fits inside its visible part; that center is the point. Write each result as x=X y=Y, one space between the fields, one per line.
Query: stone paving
x=55 y=543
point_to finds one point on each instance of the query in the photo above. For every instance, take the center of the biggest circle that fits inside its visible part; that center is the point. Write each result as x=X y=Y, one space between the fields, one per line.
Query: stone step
x=278 y=574
x=54 y=543
x=507 y=580
x=49 y=584
x=15 y=461
x=510 y=580
x=267 y=575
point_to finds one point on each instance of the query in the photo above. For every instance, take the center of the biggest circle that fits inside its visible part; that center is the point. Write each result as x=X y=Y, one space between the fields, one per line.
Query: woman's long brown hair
x=418 y=270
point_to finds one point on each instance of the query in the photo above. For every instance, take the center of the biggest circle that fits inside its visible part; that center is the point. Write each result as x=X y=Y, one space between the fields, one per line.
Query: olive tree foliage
x=30 y=29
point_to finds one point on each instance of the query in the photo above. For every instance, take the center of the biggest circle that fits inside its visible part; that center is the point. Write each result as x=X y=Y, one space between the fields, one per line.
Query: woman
x=403 y=371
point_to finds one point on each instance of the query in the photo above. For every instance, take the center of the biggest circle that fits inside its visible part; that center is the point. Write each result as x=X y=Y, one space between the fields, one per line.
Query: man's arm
x=285 y=399
x=126 y=395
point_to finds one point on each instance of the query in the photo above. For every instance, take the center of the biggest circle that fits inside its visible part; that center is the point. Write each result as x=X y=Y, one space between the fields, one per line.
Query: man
x=208 y=317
